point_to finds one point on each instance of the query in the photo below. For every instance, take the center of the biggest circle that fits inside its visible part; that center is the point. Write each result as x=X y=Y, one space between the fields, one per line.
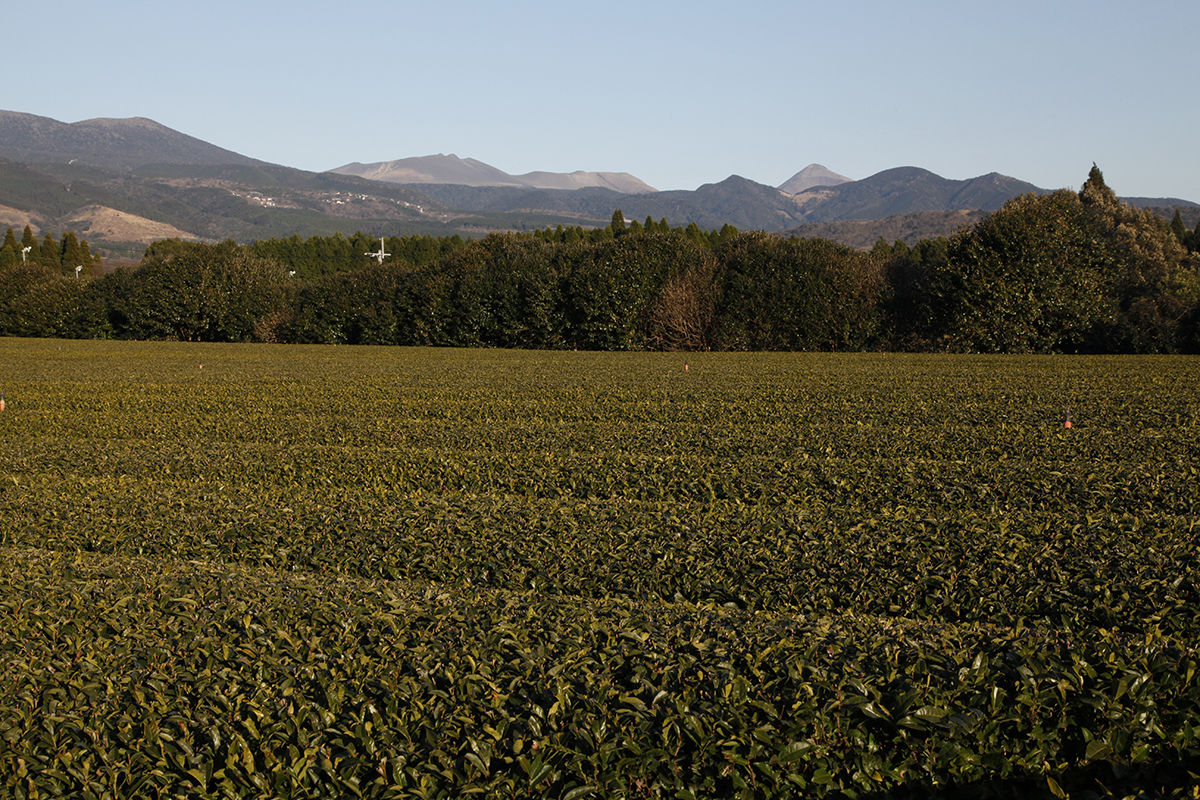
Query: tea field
x=313 y=572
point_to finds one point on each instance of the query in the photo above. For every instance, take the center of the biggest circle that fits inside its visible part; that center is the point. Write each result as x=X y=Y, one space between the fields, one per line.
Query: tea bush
x=251 y=571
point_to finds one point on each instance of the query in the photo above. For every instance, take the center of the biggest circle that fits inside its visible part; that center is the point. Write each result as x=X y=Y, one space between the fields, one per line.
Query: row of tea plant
x=252 y=571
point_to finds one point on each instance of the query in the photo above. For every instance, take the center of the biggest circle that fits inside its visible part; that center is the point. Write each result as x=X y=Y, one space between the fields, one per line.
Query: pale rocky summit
x=450 y=169
x=810 y=176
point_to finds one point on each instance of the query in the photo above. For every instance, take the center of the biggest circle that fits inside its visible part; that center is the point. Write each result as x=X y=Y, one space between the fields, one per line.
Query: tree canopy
x=1062 y=271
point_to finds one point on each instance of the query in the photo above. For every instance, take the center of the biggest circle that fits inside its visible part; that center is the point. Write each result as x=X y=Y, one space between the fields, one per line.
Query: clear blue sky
x=677 y=93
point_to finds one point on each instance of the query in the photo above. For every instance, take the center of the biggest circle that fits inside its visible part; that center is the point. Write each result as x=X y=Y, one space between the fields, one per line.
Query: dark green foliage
x=522 y=290
x=1033 y=277
x=197 y=292
x=906 y=311
x=68 y=253
x=1060 y=272
x=48 y=255
x=165 y=249
x=72 y=255
x=1177 y=227
x=10 y=252
x=458 y=309
x=1158 y=323
x=324 y=255
x=377 y=305
x=501 y=292
x=796 y=294
x=1158 y=282
x=247 y=682
x=610 y=288
x=617 y=226
x=1153 y=262
x=34 y=300
x=1095 y=192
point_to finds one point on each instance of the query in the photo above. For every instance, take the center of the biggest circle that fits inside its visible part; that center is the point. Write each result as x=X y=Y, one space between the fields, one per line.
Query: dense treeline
x=63 y=255
x=325 y=255
x=1061 y=272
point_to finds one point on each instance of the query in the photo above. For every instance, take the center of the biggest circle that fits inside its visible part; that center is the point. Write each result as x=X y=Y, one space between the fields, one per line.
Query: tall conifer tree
x=10 y=251
x=618 y=223
x=49 y=253
x=71 y=255
x=1178 y=228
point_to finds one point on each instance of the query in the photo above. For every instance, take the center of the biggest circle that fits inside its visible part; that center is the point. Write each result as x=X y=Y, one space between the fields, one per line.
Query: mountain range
x=469 y=172
x=121 y=183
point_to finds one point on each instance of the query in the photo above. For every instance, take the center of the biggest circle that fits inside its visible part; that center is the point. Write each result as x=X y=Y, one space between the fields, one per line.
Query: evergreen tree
x=1178 y=229
x=92 y=261
x=10 y=251
x=617 y=226
x=1095 y=192
x=1152 y=261
x=49 y=253
x=886 y=251
x=28 y=240
x=71 y=255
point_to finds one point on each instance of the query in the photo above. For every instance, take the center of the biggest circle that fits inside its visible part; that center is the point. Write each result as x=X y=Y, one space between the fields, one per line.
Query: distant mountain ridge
x=450 y=169
x=123 y=144
x=904 y=190
x=747 y=204
x=126 y=181
x=735 y=200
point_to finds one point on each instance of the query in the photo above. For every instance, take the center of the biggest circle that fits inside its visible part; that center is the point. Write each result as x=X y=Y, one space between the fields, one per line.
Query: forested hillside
x=1056 y=272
